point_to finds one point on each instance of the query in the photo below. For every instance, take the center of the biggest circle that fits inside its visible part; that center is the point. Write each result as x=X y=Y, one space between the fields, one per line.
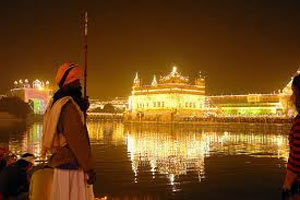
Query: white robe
x=71 y=185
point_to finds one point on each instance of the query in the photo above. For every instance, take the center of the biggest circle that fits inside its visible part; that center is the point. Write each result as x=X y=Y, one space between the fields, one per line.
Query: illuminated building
x=256 y=104
x=175 y=97
x=252 y=104
x=36 y=94
x=120 y=103
x=167 y=97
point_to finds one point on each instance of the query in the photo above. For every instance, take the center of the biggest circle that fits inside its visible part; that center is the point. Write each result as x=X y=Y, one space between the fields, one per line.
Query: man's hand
x=290 y=178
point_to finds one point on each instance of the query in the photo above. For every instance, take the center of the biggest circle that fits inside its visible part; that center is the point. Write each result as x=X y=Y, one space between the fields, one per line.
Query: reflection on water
x=166 y=151
x=165 y=157
x=112 y=133
x=174 y=151
x=30 y=142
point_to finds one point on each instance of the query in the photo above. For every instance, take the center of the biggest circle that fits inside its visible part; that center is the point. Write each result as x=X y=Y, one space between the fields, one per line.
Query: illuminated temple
x=174 y=97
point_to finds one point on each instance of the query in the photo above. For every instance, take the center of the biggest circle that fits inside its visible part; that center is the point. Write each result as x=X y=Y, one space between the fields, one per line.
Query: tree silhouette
x=15 y=106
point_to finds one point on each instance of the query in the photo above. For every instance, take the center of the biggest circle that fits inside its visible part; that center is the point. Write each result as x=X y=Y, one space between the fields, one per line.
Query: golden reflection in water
x=166 y=154
x=254 y=144
x=29 y=141
x=106 y=132
x=176 y=151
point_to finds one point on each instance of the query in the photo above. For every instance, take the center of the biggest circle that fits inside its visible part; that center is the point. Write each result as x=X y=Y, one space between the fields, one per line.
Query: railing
x=105 y=116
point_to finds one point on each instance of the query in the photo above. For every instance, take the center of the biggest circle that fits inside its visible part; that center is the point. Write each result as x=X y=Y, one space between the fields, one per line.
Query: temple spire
x=136 y=81
x=136 y=78
x=174 y=70
x=154 y=81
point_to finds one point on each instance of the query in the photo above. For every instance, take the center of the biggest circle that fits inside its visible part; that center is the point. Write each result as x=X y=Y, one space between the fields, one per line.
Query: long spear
x=85 y=52
x=85 y=57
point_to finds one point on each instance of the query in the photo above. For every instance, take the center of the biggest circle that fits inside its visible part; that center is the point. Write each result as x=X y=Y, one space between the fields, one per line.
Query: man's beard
x=75 y=92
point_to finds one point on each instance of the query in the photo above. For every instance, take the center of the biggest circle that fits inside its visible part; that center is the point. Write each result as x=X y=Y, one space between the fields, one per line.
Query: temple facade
x=167 y=97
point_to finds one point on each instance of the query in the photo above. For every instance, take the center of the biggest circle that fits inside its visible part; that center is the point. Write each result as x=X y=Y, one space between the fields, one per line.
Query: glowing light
x=136 y=78
x=172 y=179
x=174 y=70
x=154 y=82
x=174 y=77
x=37 y=84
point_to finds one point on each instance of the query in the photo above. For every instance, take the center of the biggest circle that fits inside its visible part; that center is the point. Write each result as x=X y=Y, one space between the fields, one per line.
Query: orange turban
x=70 y=72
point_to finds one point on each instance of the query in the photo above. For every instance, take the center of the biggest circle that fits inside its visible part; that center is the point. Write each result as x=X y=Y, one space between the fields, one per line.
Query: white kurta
x=71 y=185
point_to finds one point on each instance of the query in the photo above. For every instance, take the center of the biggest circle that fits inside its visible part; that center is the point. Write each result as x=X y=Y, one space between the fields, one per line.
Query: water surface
x=204 y=161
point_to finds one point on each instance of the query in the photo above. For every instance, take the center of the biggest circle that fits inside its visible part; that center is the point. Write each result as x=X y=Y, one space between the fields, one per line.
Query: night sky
x=242 y=46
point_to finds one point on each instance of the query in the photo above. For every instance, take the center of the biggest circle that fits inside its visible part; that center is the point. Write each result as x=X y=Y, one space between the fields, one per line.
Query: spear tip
x=86 y=23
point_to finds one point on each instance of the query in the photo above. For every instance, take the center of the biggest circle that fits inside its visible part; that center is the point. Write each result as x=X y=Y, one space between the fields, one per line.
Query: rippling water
x=204 y=161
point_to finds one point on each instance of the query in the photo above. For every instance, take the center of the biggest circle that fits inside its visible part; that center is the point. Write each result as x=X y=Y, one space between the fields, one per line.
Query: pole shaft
x=85 y=52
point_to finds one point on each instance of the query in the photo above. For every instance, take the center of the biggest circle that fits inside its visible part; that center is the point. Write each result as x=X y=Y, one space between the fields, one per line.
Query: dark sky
x=241 y=45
